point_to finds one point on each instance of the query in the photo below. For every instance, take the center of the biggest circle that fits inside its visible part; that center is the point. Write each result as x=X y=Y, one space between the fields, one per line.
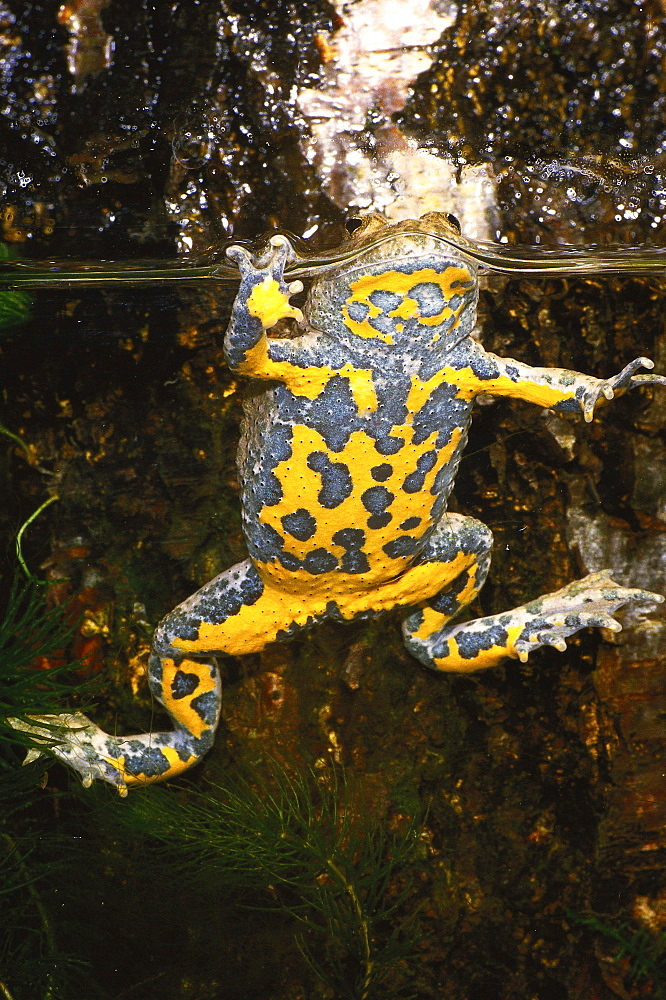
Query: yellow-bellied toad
x=348 y=455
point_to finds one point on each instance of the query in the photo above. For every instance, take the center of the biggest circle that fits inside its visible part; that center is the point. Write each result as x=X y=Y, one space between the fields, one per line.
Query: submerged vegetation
x=32 y=964
x=15 y=305
x=296 y=843
x=30 y=634
x=641 y=951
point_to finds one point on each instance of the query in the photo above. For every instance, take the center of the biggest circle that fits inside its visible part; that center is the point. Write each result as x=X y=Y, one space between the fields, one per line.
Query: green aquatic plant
x=21 y=532
x=29 y=632
x=643 y=950
x=303 y=845
x=16 y=439
x=33 y=634
x=32 y=964
x=15 y=305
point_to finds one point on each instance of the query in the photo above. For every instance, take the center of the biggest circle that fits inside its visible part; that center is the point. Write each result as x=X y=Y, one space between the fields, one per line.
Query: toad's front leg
x=262 y=300
x=556 y=388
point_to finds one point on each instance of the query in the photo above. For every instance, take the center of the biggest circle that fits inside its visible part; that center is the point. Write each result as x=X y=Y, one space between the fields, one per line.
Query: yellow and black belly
x=349 y=492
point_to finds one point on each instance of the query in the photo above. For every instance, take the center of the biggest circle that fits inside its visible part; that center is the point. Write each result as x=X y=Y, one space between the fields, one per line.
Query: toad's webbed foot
x=120 y=761
x=620 y=383
x=548 y=621
x=273 y=256
x=585 y=603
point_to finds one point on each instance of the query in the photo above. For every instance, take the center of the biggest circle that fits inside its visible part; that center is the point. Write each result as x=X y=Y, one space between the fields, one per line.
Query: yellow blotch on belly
x=452 y=281
x=310 y=382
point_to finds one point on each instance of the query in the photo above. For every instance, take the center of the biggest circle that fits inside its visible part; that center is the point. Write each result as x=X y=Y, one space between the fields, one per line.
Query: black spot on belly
x=333 y=412
x=429 y=297
x=377 y=498
x=387 y=302
x=354 y=560
x=379 y=520
x=349 y=538
x=388 y=445
x=183 y=684
x=384 y=299
x=404 y=545
x=409 y=523
x=358 y=311
x=441 y=412
x=415 y=480
x=336 y=481
x=290 y=562
x=300 y=524
x=319 y=561
x=380 y=473
x=206 y=706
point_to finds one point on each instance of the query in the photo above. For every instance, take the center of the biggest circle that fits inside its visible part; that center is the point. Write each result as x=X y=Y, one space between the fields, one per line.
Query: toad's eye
x=351 y=225
x=452 y=221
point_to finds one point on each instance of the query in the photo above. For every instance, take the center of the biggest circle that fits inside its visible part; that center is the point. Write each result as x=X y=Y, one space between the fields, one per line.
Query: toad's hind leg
x=485 y=642
x=459 y=553
x=231 y=614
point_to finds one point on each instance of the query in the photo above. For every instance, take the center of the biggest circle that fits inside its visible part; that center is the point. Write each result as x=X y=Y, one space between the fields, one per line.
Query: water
x=536 y=261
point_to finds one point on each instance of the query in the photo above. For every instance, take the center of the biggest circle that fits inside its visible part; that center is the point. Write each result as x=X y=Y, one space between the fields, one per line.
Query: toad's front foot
x=626 y=379
x=120 y=761
x=589 y=602
x=263 y=287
